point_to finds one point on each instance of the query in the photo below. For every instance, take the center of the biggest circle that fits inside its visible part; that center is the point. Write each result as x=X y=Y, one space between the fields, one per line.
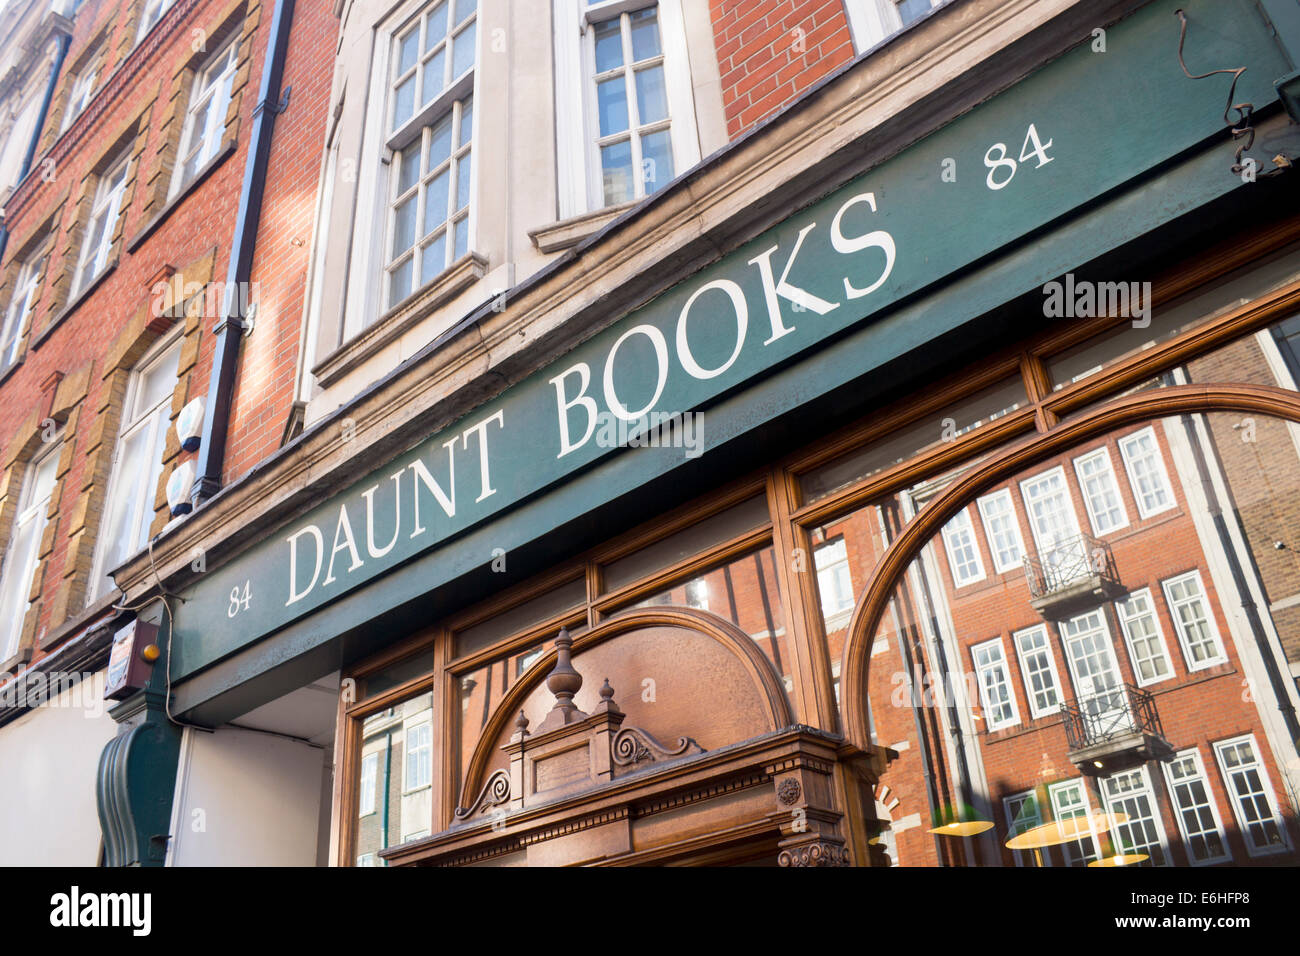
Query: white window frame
x=1079 y=788
x=981 y=669
x=369 y=784
x=1270 y=798
x=988 y=516
x=156 y=420
x=1125 y=624
x=1197 y=776
x=367 y=290
x=871 y=21
x=1158 y=459
x=153 y=12
x=408 y=732
x=581 y=189
x=1046 y=649
x=1046 y=548
x=1144 y=789
x=32 y=510
x=831 y=559
x=1222 y=652
x=1010 y=809
x=1102 y=454
x=83 y=91
x=211 y=89
x=21 y=305
x=106 y=207
x=961 y=523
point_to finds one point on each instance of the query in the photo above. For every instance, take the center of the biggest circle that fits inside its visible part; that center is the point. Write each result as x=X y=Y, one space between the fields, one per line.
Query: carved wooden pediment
x=698 y=756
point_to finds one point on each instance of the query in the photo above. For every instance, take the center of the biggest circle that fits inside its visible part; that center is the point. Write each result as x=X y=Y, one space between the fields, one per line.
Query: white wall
x=245 y=798
x=50 y=756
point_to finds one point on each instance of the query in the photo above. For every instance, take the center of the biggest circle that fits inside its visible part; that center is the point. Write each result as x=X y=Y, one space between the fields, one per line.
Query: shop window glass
x=907 y=442
x=394 y=776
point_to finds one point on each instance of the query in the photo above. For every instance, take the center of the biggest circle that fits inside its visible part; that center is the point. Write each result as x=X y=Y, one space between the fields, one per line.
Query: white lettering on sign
x=573 y=403
x=424 y=482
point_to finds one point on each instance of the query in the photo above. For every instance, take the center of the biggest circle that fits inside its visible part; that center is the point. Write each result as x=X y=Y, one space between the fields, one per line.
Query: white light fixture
x=189 y=425
x=179 y=485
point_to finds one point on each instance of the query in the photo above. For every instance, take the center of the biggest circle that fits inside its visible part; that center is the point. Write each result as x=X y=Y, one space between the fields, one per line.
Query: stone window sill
x=226 y=151
x=75 y=625
x=569 y=232
x=468 y=270
x=72 y=306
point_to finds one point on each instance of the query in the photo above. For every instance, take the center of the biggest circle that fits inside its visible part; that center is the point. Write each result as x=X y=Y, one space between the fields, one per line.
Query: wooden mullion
x=814 y=693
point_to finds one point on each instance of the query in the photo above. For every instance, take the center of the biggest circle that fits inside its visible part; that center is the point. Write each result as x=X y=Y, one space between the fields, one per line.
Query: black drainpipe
x=230 y=325
x=59 y=55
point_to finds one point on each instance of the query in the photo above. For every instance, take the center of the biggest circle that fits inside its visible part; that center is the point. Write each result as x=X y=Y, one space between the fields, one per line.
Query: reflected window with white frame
x=1253 y=802
x=153 y=12
x=1070 y=800
x=137 y=465
x=996 y=694
x=20 y=557
x=205 y=121
x=104 y=210
x=1002 y=529
x=1022 y=813
x=1194 y=621
x=83 y=91
x=1100 y=491
x=963 y=550
x=430 y=135
x=419 y=756
x=1144 y=638
x=1143 y=832
x=1051 y=516
x=369 y=784
x=1034 y=648
x=1146 y=472
x=21 y=304
x=1195 y=809
x=834 y=581
x=871 y=21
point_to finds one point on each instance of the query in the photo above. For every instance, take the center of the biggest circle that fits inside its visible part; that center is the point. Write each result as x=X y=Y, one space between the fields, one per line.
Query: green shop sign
x=1083 y=125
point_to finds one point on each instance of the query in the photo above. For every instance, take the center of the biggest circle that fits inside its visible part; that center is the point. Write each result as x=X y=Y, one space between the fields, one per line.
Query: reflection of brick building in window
x=1148 y=607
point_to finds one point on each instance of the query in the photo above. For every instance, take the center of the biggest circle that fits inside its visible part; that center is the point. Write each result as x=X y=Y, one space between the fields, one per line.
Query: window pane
x=399 y=283
x=464 y=181
x=462 y=239
x=464 y=8
x=434 y=259
x=466 y=122
x=436 y=30
x=463 y=50
x=911 y=10
x=651 y=95
x=408 y=167
x=656 y=160
x=611 y=105
x=404 y=102
x=435 y=203
x=616 y=171
x=435 y=74
x=400 y=741
x=407 y=51
x=440 y=142
x=609 y=45
x=404 y=226
x=645 y=34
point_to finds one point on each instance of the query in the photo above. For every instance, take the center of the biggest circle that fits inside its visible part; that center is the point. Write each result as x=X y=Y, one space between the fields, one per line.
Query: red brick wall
x=771 y=51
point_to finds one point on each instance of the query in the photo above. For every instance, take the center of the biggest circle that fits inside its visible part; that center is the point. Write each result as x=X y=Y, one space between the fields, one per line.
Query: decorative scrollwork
x=815 y=854
x=789 y=790
x=632 y=745
x=494 y=793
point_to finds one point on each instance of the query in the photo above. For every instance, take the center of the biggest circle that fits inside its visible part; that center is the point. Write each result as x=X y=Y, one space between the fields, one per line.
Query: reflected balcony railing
x=1119 y=721
x=1080 y=567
